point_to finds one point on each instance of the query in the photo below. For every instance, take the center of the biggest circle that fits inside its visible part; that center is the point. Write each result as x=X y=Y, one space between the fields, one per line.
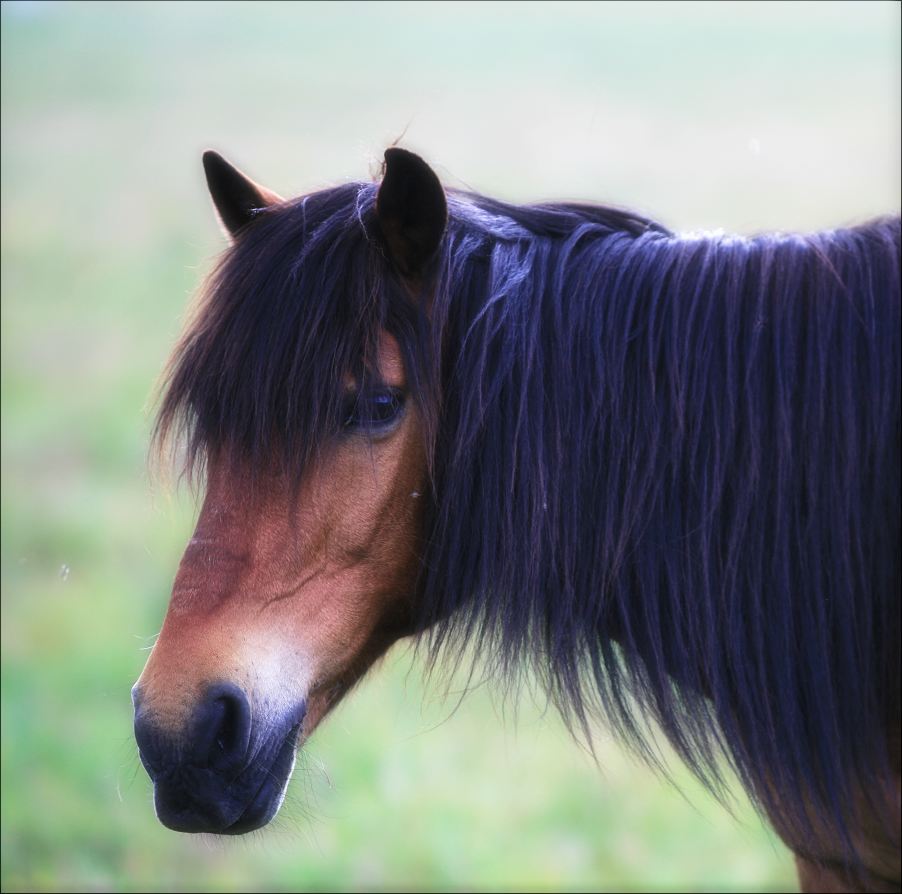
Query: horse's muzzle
x=224 y=774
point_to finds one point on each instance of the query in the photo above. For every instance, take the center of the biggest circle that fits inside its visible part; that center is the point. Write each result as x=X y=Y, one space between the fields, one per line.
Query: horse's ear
x=236 y=197
x=412 y=211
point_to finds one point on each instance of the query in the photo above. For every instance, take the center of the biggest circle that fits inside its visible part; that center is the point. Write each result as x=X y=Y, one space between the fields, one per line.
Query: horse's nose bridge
x=211 y=570
x=168 y=688
x=207 y=550
x=195 y=648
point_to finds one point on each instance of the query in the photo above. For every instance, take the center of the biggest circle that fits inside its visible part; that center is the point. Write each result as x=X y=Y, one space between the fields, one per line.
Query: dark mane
x=665 y=469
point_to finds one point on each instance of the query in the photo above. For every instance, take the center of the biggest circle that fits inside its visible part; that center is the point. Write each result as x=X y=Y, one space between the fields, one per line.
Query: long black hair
x=665 y=469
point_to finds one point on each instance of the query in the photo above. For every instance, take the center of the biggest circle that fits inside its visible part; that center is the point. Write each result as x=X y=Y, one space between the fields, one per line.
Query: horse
x=659 y=471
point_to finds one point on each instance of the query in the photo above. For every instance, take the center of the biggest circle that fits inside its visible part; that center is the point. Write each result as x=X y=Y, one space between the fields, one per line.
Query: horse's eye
x=374 y=411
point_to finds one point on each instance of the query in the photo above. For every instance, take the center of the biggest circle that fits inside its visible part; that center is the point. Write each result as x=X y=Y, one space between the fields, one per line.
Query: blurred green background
x=745 y=117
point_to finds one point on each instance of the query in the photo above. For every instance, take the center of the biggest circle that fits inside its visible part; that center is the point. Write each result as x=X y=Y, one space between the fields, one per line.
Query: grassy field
x=737 y=116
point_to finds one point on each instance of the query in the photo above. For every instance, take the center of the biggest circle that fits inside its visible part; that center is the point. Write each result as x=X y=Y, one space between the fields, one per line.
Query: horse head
x=290 y=588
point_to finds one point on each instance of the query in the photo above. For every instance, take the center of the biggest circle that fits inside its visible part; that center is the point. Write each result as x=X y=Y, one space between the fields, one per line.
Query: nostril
x=223 y=725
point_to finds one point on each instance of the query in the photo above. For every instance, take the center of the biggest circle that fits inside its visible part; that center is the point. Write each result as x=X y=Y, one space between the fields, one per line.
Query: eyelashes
x=374 y=411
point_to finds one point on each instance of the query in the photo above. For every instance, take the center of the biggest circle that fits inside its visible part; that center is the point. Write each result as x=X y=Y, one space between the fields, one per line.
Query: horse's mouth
x=269 y=797
x=201 y=801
